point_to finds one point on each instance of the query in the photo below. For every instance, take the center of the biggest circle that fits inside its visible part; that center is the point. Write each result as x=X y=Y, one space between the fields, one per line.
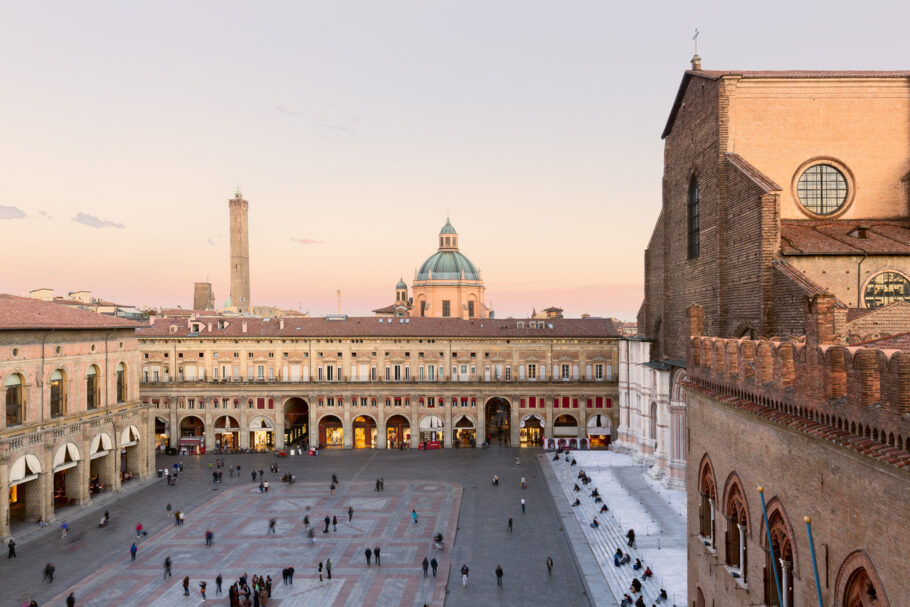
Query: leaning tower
x=240 y=254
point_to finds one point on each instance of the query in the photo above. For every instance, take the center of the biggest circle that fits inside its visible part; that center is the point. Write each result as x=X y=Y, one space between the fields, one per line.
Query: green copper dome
x=447 y=228
x=401 y=284
x=447 y=265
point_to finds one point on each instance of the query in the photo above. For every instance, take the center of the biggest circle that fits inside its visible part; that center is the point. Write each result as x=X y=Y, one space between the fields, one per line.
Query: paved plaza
x=450 y=489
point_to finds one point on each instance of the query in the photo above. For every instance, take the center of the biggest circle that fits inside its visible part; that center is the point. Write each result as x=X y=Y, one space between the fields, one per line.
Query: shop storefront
x=364 y=432
x=398 y=432
x=431 y=430
x=331 y=432
x=464 y=433
x=599 y=428
x=531 y=431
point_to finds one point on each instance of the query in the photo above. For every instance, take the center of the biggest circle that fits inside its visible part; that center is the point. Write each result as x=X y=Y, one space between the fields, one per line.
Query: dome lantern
x=448 y=237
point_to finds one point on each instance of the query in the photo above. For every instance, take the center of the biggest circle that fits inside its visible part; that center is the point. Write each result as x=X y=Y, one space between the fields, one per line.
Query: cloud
x=45 y=214
x=94 y=222
x=307 y=241
x=212 y=242
x=11 y=212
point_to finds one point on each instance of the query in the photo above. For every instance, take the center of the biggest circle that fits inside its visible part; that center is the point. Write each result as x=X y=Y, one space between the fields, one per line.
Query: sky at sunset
x=355 y=128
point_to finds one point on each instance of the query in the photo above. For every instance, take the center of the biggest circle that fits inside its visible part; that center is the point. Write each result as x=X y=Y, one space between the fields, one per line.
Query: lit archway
x=227 y=432
x=431 y=429
x=498 y=420
x=192 y=435
x=599 y=429
x=262 y=434
x=565 y=430
x=398 y=432
x=296 y=422
x=25 y=490
x=531 y=430
x=331 y=432
x=101 y=468
x=464 y=431
x=364 y=428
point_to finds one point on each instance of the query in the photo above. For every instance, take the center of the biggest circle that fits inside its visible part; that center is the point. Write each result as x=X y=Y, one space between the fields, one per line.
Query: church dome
x=448 y=228
x=447 y=265
x=401 y=284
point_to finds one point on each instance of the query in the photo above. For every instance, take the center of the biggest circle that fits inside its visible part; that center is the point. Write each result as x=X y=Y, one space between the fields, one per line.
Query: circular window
x=886 y=288
x=822 y=189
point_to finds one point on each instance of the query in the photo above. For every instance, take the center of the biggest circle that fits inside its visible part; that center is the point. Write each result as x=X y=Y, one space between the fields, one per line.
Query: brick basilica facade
x=775 y=323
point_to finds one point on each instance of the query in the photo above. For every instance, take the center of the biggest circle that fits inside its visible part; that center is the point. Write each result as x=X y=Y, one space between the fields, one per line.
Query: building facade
x=73 y=422
x=240 y=255
x=203 y=296
x=823 y=431
x=241 y=383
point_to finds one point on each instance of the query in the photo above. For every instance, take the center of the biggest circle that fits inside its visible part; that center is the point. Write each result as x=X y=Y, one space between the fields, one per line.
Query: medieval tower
x=240 y=254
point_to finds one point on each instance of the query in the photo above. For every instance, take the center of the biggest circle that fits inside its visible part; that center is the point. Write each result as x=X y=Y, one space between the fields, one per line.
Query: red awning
x=190 y=441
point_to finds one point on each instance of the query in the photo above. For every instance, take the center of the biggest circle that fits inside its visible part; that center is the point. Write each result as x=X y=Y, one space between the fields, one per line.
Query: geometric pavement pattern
x=239 y=520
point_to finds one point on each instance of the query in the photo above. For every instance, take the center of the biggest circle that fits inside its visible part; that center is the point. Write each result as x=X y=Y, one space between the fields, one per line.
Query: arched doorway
x=161 y=439
x=398 y=432
x=66 y=474
x=101 y=469
x=860 y=591
x=227 y=432
x=364 y=428
x=24 y=488
x=599 y=428
x=262 y=435
x=130 y=458
x=531 y=433
x=464 y=432
x=699 y=598
x=331 y=432
x=431 y=430
x=498 y=416
x=296 y=422
x=565 y=430
x=192 y=435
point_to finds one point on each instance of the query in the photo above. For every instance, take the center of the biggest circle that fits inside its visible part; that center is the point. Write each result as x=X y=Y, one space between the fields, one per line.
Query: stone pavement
x=95 y=561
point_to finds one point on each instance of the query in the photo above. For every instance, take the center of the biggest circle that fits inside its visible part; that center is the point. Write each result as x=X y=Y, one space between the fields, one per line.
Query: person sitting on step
x=662 y=597
x=577 y=502
x=604 y=508
x=617 y=558
x=648 y=573
x=636 y=586
x=637 y=565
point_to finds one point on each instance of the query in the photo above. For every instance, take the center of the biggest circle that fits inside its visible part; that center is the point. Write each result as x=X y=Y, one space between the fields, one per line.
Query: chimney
x=281 y=323
x=820 y=322
x=696 y=63
x=243 y=327
x=152 y=320
x=210 y=327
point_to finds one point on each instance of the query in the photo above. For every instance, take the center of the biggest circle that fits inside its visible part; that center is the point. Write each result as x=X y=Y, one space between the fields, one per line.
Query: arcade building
x=73 y=425
x=360 y=383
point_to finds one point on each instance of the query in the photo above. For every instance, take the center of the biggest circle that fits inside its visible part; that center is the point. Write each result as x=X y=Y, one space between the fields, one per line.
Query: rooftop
x=17 y=313
x=833 y=237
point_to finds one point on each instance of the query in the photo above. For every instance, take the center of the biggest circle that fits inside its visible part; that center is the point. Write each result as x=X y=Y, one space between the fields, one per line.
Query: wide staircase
x=606 y=538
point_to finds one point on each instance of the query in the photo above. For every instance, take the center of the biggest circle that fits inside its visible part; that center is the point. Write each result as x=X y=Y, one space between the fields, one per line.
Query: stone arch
x=707 y=490
x=735 y=499
x=745 y=330
x=781 y=528
x=57 y=382
x=101 y=445
x=854 y=578
x=14 y=399
x=67 y=456
x=261 y=422
x=187 y=424
x=736 y=513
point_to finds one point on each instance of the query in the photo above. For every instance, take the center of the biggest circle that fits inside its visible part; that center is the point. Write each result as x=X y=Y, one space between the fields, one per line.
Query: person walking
x=499 y=575
x=425 y=565
x=369 y=554
x=49 y=573
x=209 y=537
x=271 y=526
x=139 y=531
x=167 y=568
x=523 y=505
x=168 y=509
x=376 y=554
x=202 y=586
x=350 y=513
x=332 y=490
x=464 y=575
x=306 y=521
x=524 y=485
x=71 y=600
x=549 y=565
x=510 y=524
x=334 y=523
x=12 y=549
x=186 y=586
x=291 y=575
x=328 y=568
x=319 y=570
x=218 y=585
x=414 y=516
x=326 y=520
x=434 y=564
x=631 y=536
x=133 y=550
x=253 y=475
x=64 y=529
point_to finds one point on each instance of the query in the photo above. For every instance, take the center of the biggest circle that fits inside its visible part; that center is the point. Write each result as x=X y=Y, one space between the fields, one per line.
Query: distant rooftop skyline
x=354 y=130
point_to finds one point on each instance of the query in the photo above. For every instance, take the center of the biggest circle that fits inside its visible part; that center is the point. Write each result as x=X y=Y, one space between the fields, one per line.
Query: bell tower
x=240 y=254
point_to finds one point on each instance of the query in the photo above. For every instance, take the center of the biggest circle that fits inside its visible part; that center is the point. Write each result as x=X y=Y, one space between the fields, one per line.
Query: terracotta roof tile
x=901 y=341
x=831 y=237
x=18 y=313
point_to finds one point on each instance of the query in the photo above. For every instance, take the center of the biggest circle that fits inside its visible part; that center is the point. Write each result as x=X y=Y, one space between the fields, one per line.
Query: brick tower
x=203 y=297
x=240 y=254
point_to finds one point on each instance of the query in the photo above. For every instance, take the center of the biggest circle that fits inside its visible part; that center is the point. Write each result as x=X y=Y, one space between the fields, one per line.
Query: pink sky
x=359 y=127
